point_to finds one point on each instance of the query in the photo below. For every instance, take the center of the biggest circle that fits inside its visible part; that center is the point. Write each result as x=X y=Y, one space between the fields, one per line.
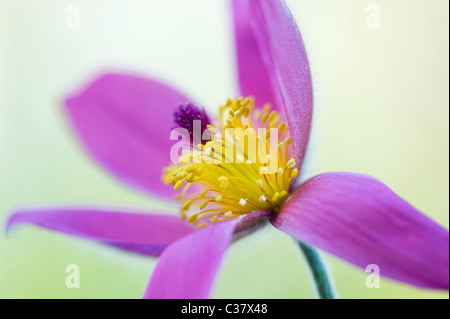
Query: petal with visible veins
x=187 y=268
x=124 y=122
x=254 y=74
x=359 y=219
x=147 y=234
x=281 y=58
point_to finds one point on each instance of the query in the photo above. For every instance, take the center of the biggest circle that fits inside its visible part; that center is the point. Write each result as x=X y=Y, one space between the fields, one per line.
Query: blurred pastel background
x=381 y=108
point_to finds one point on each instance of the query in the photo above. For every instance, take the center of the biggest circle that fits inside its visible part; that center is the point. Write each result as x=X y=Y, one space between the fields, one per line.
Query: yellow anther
x=190 y=177
x=264 y=117
x=214 y=219
x=204 y=192
x=168 y=180
x=294 y=173
x=272 y=115
x=178 y=185
x=192 y=218
x=186 y=205
x=191 y=168
x=203 y=205
x=275 y=197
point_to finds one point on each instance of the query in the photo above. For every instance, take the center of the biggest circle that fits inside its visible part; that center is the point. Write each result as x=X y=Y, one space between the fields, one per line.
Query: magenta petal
x=255 y=74
x=359 y=219
x=188 y=267
x=147 y=234
x=125 y=121
x=284 y=60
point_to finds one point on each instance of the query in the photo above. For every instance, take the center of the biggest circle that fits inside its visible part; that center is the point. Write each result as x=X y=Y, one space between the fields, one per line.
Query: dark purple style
x=186 y=114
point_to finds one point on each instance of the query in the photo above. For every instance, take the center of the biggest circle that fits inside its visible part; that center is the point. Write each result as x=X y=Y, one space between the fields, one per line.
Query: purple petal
x=359 y=219
x=140 y=233
x=254 y=73
x=124 y=122
x=282 y=58
x=188 y=267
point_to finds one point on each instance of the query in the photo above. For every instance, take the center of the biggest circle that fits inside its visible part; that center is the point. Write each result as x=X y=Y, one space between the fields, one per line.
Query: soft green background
x=381 y=98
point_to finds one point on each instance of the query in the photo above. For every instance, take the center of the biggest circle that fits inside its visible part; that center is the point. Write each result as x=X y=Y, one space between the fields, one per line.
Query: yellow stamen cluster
x=223 y=178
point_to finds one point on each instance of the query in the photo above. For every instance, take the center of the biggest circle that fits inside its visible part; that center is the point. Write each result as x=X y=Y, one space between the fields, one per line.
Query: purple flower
x=122 y=120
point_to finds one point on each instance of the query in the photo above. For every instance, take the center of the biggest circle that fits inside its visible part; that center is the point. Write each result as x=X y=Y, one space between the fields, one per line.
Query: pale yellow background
x=381 y=107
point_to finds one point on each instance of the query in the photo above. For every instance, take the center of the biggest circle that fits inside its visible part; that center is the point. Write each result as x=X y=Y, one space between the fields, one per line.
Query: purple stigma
x=185 y=115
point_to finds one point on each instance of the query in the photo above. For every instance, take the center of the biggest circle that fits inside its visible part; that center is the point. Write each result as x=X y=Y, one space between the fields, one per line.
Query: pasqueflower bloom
x=122 y=120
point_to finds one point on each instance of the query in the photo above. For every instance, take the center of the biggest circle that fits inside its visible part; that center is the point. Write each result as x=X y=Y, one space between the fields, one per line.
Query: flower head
x=352 y=216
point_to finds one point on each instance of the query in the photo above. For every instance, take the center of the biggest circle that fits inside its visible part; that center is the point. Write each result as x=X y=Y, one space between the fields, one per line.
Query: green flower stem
x=318 y=268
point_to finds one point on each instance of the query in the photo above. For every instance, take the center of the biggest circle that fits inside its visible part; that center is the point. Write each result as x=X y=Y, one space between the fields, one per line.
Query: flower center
x=246 y=168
